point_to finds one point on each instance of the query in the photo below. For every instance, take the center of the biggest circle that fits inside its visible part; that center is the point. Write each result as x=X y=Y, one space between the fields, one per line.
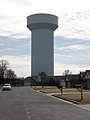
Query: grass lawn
x=69 y=94
x=54 y=89
x=47 y=89
x=75 y=97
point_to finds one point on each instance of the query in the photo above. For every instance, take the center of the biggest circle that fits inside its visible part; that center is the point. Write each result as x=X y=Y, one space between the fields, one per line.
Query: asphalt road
x=21 y=103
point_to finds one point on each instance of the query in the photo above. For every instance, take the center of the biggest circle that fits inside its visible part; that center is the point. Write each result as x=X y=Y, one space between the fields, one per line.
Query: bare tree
x=42 y=75
x=3 y=67
x=67 y=72
x=10 y=74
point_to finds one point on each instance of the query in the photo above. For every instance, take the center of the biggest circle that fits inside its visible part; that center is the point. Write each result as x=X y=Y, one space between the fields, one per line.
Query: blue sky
x=71 y=39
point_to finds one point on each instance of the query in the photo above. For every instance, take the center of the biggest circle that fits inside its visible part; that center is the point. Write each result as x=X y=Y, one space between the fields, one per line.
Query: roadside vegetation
x=6 y=71
x=7 y=75
x=69 y=94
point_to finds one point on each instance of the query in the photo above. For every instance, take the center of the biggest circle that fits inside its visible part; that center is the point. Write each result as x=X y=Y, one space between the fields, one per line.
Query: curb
x=72 y=101
x=65 y=100
x=75 y=102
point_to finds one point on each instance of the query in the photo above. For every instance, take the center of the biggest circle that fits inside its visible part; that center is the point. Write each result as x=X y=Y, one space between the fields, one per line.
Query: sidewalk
x=86 y=106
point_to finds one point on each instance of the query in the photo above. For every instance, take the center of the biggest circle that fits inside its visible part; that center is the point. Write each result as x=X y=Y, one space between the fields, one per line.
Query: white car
x=6 y=87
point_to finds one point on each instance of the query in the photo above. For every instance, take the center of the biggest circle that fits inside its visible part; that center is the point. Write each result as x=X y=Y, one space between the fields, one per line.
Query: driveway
x=21 y=103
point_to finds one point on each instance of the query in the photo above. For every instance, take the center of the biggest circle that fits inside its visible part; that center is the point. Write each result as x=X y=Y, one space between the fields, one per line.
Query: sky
x=71 y=39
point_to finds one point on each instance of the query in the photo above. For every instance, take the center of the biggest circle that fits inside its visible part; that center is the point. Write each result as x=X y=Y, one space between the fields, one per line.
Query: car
x=6 y=87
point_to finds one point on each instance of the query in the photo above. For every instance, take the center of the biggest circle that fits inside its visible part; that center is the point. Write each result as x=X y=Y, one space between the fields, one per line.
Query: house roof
x=72 y=77
x=59 y=77
x=56 y=78
x=36 y=79
x=87 y=71
x=47 y=78
x=82 y=74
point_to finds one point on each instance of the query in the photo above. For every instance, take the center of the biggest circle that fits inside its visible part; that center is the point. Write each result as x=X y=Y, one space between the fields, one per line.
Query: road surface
x=21 y=103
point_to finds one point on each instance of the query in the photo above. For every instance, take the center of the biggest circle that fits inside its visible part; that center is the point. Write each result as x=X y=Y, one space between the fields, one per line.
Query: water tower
x=42 y=28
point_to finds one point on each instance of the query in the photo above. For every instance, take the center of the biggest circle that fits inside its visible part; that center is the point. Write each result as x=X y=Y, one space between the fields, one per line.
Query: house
x=60 y=80
x=68 y=81
x=27 y=81
x=71 y=80
x=45 y=80
x=36 y=81
x=32 y=81
x=86 y=79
